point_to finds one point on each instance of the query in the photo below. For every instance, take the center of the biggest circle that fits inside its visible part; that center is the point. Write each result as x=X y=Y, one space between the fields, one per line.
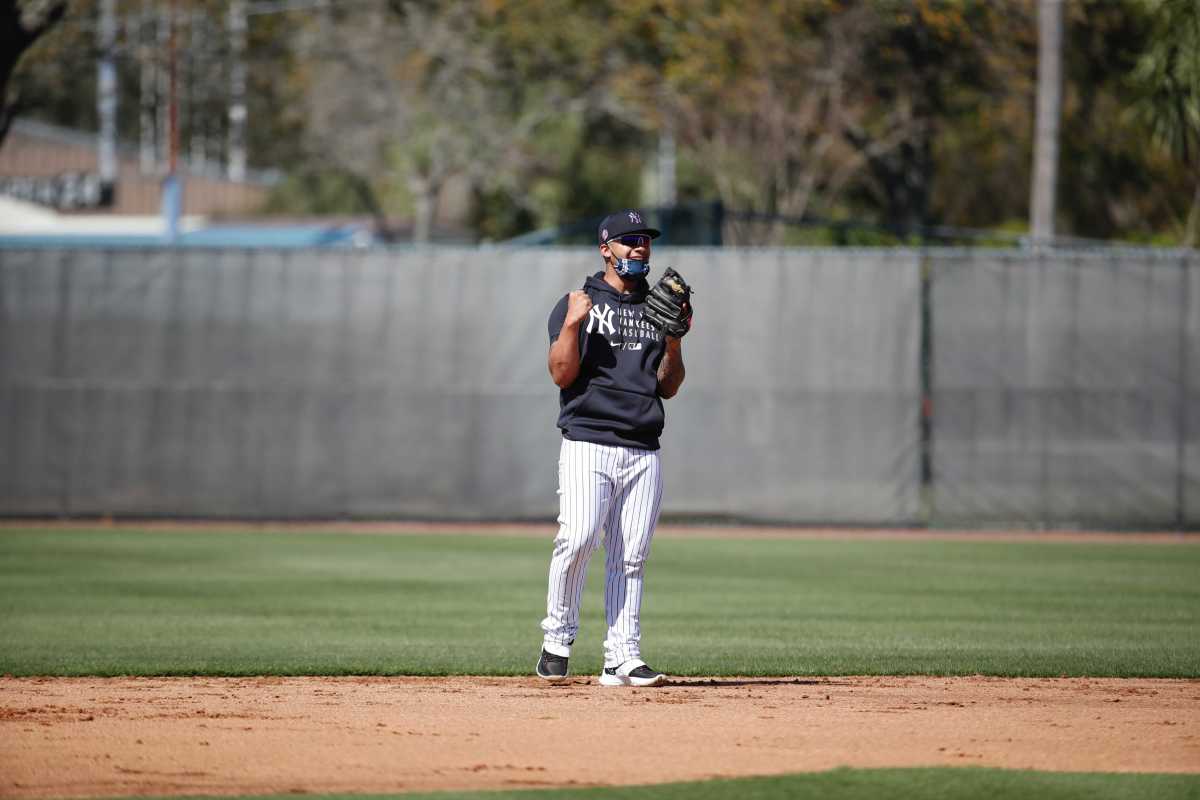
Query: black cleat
x=552 y=667
x=639 y=675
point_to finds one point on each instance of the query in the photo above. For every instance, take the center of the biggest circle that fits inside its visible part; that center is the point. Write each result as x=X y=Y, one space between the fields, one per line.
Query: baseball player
x=615 y=353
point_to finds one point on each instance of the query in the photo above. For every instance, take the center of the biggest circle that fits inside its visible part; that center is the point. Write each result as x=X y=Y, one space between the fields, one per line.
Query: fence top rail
x=973 y=253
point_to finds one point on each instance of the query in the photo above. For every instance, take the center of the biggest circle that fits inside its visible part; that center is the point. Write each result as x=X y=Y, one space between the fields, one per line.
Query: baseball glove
x=669 y=305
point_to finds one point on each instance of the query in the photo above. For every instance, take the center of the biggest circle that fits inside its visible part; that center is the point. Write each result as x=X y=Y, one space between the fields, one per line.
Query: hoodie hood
x=597 y=283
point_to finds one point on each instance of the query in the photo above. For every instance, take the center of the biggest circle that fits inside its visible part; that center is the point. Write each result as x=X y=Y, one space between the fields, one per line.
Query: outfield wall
x=1066 y=388
x=413 y=383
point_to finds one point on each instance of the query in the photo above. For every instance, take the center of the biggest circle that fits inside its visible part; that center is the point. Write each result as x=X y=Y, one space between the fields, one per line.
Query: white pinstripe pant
x=619 y=490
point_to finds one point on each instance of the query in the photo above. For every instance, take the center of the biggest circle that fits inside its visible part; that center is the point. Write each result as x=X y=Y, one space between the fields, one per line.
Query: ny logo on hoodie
x=604 y=318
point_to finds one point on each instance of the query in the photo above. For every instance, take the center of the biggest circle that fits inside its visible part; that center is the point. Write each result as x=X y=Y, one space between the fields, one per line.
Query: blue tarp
x=241 y=236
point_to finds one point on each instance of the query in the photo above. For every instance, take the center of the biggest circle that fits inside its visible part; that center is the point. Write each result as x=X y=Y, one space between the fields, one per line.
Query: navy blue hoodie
x=615 y=398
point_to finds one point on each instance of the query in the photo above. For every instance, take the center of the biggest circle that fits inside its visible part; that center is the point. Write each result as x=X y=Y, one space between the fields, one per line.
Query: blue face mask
x=631 y=267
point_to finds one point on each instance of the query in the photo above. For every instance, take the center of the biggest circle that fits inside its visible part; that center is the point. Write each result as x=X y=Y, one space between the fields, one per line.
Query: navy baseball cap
x=623 y=222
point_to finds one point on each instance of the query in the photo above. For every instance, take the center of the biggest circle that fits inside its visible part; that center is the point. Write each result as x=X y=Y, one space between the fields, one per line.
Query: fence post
x=1182 y=419
x=926 y=509
x=61 y=420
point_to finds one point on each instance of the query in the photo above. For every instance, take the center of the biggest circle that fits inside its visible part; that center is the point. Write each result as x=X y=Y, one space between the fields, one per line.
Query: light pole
x=1049 y=109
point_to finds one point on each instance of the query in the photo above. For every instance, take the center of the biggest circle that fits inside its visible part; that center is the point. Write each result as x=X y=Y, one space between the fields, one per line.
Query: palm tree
x=1167 y=78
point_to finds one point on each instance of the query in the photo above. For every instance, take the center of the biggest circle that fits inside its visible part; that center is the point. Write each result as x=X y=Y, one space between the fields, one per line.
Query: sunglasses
x=632 y=240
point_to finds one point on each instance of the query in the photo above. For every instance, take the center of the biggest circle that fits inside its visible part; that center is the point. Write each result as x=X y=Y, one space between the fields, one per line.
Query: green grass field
x=865 y=784
x=110 y=602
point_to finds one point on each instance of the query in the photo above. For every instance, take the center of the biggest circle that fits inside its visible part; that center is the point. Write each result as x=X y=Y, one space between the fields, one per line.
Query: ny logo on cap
x=635 y=218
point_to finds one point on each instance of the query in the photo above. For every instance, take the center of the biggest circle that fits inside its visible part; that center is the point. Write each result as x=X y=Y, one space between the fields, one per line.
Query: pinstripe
x=614 y=565
x=583 y=498
x=617 y=490
x=637 y=518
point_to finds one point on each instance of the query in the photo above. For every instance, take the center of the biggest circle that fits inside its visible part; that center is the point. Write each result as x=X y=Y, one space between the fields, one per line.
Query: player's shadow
x=717 y=682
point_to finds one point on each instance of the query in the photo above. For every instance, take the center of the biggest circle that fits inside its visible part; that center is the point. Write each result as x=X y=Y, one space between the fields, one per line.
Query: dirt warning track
x=88 y=737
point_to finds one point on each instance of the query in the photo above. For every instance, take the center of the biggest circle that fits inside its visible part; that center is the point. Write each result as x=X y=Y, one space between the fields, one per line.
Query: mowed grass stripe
x=113 y=602
x=860 y=784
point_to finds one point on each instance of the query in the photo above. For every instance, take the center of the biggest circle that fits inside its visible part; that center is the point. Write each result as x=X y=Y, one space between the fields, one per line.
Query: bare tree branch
x=20 y=26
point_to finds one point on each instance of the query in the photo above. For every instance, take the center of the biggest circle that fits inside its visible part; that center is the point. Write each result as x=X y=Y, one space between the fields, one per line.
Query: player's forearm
x=670 y=369
x=564 y=356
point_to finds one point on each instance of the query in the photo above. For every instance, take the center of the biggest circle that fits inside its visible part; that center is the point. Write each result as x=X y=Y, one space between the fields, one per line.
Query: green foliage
x=114 y=602
x=604 y=171
x=1107 y=171
x=583 y=166
x=893 y=114
x=1166 y=81
x=317 y=193
x=1167 y=76
x=929 y=70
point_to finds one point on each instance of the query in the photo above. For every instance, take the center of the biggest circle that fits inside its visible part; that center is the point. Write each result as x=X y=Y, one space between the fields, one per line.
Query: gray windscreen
x=1061 y=389
x=413 y=383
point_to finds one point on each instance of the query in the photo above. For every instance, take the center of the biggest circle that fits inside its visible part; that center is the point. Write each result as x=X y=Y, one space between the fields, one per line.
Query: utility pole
x=172 y=187
x=147 y=91
x=1049 y=110
x=106 y=102
x=197 y=91
x=162 y=91
x=237 y=90
x=173 y=101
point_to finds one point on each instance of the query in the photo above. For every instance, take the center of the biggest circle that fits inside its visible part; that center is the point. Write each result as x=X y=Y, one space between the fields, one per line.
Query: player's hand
x=578 y=307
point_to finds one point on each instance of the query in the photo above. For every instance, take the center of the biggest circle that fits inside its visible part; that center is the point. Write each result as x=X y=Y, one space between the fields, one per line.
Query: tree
x=399 y=101
x=1114 y=182
x=1167 y=78
x=21 y=24
x=931 y=73
x=788 y=105
x=408 y=95
x=757 y=92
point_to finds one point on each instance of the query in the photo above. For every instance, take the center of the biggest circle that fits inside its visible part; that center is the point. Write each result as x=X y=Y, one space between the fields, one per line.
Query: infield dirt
x=89 y=737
